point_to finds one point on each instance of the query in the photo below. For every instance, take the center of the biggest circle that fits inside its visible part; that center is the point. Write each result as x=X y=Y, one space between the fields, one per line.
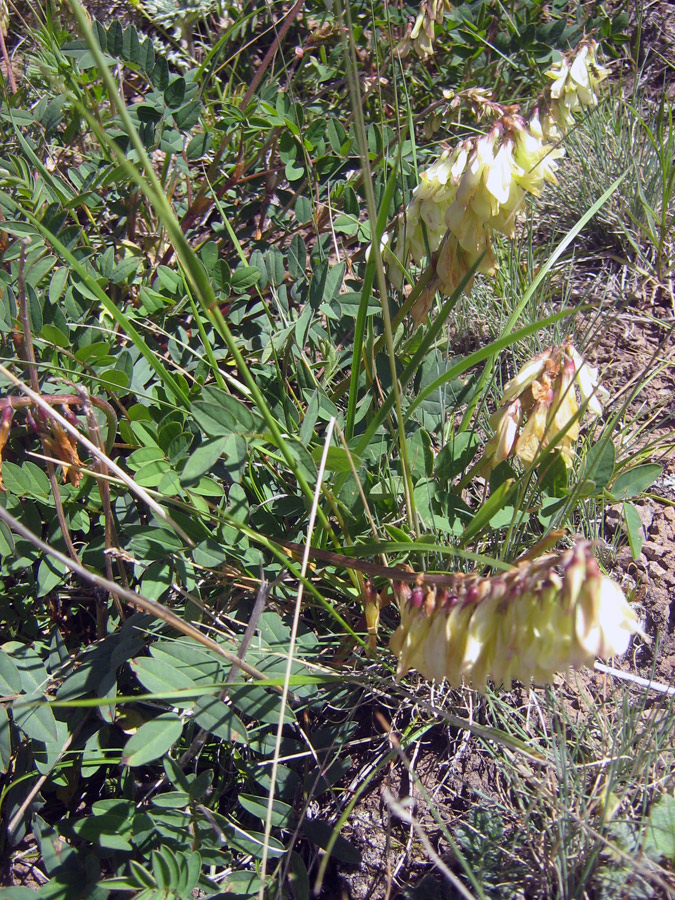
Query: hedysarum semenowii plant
x=527 y=624
x=543 y=396
x=481 y=186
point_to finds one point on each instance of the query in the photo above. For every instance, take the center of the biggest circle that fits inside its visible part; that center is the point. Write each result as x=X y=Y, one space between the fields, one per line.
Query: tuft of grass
x=633 y=136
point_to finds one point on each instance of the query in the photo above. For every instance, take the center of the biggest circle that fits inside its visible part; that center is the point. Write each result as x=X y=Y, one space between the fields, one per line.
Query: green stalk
x=361 y=320
x=376 y=255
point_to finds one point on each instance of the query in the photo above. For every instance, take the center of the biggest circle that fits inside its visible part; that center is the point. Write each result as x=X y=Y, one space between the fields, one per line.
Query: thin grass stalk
x=360 y=328
x=424 y=280
x=413 y=737
x=360 y=129
x=289 y=661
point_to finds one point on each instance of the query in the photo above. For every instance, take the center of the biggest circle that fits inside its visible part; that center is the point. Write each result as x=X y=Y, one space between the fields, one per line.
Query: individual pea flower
x=537 y=619
x=533 y=438
x=474 y=202
x=535 y=158
x=588 y=382
x=506 y=424
x=422 y=34
x=586 y=74
x=504 y=183
x=420 y=308
x=423 y=225
x=526 y=375
x=564 y=408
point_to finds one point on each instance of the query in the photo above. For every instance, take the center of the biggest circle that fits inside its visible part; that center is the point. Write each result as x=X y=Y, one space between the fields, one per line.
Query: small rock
x=612 y=516
x=625 y=560
x=653 y=550
x=655 y=570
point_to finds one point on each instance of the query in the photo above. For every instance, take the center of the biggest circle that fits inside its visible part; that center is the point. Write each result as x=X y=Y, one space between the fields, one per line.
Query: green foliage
x=185 y=280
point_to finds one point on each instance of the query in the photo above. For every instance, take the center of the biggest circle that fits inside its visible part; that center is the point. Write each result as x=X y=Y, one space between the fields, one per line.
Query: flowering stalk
x=480 y=187
x=537 y=619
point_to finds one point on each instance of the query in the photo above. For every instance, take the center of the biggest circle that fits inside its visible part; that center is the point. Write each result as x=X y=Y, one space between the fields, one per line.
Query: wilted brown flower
x=5 y=426
x=63 y=447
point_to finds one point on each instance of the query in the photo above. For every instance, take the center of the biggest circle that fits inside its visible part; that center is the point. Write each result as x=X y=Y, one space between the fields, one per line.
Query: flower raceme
x=422 y=34
x=537 y=619
x=544 y=392
x=480 y=187
x=574 y=83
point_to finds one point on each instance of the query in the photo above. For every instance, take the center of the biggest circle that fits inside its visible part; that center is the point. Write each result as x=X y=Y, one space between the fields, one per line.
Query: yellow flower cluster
x=544 y=392
x=574 y=86
x=537 y=619
x=421 y=36
x=478 y=189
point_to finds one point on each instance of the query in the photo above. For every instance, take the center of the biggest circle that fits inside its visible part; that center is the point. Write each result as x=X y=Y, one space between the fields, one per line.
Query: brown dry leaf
x=64 y=448
x=5 y=425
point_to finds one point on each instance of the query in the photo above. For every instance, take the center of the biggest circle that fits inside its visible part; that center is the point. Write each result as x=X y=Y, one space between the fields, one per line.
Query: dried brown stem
x=104 y=490
x=8 y=62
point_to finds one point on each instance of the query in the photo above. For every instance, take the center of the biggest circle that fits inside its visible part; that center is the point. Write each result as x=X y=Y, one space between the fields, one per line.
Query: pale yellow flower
x=526 y=375
x=532 y=438
x=506 y=423
x=422 y=35
x=565 y=409
x=535 y=158
x=588 y=381
x=545 y=390
x=423 y=225
x=537 y=619
x=499 y=176
x=575 y=79
x=466 y=196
